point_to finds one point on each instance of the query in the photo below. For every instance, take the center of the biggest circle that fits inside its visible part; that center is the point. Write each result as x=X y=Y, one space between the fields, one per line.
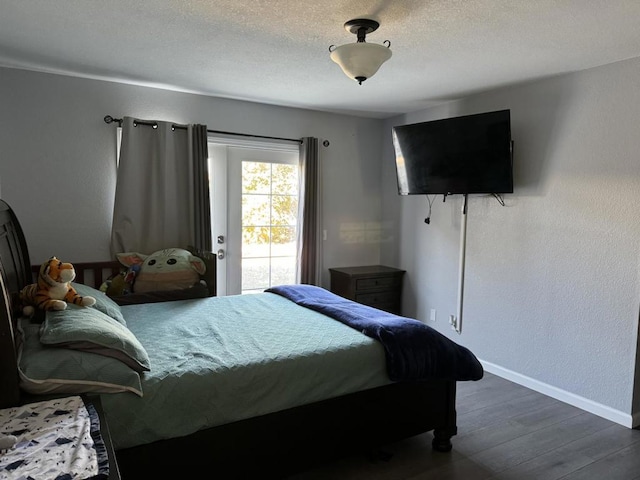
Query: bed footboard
x=286 y=442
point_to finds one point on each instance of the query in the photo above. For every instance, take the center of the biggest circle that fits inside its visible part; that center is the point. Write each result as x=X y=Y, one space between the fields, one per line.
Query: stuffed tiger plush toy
x=53 y=290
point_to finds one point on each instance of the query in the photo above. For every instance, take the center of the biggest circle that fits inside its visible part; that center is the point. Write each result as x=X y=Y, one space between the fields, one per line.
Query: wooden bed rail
x=89 y=273
x=94 y=274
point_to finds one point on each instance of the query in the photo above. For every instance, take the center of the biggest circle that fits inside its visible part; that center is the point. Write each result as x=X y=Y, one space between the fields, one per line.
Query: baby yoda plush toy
x=168 y=269
x=53 y=290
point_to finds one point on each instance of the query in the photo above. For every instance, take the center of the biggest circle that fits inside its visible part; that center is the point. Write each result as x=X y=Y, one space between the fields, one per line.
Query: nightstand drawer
x=387 y=307
x=379 y=297
x=374 y=285
x=378 y=282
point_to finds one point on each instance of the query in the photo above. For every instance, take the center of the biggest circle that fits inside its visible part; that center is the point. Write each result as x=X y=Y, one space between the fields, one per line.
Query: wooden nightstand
x=374 y=285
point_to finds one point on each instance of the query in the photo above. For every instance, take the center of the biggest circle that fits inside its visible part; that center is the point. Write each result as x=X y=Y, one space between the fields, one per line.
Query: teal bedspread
x=415 y=351
x=221 y=359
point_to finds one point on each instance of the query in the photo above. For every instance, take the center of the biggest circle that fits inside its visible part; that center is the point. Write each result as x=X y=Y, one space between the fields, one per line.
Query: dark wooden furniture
x=267 y=446
x=374 y=285
x=95 y=273
x=114 y=471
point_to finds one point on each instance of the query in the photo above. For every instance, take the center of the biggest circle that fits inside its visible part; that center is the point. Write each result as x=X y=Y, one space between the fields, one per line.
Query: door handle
x=220 y=254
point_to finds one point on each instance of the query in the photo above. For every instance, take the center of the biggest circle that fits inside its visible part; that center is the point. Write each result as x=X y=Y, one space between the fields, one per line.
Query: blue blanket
x=414 y=351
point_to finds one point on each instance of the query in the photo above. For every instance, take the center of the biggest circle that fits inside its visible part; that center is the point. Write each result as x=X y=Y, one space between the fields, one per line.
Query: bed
x=265 y=384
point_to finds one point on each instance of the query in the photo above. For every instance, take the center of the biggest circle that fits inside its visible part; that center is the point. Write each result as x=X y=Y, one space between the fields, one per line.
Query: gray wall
x=58 y=171
x=552 y=278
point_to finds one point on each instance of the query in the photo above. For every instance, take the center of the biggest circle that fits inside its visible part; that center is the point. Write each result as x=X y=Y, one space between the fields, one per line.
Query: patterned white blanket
x=56 y=439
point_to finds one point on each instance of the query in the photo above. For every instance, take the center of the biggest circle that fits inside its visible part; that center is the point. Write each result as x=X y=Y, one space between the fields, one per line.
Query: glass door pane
x=269 y=220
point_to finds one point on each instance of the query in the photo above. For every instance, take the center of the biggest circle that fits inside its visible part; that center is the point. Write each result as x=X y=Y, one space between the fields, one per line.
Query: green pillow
x=85 y=328
x=103 y=302
x=46 y=370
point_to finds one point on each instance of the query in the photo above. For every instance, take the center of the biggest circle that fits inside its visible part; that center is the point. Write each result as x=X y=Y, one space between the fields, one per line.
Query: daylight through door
x=254 y=215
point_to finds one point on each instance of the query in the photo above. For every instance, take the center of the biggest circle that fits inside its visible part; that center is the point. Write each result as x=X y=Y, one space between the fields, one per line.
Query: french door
x=254 y=196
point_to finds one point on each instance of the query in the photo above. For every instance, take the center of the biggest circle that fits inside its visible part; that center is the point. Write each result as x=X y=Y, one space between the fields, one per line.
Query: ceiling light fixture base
x=361 y=60
x=361 y=27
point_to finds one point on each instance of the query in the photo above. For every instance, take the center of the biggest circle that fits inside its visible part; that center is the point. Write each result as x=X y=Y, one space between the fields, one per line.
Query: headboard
x=89 y=273
x=15 y=273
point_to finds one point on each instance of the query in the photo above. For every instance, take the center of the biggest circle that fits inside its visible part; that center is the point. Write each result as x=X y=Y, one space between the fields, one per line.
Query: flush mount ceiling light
x=361 y=60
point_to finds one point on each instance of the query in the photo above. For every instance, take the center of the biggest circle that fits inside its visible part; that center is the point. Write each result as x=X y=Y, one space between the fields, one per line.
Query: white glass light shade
x=360 y=60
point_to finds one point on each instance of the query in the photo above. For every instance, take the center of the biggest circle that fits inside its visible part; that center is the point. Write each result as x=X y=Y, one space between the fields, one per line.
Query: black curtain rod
x=110 y=119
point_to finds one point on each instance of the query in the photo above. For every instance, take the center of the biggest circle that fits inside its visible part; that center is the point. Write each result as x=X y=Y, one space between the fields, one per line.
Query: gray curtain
x=309 y=214
x=162 y=196
x=202 y=207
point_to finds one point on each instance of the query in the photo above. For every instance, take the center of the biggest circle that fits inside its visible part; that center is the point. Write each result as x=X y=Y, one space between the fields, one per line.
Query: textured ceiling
x=276 y=51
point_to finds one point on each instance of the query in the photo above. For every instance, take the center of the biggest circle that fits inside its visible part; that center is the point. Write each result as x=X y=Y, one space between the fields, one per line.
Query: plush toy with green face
x=168 y=269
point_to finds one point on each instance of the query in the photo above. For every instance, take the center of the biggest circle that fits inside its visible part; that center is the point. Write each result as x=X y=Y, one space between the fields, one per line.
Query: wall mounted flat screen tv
x=461 y=155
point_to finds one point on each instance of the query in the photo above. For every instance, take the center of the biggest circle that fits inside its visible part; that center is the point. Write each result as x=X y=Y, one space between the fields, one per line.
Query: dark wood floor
x=505 y=432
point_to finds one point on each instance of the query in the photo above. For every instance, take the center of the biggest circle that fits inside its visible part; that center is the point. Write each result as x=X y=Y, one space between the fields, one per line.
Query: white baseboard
x=624 y=419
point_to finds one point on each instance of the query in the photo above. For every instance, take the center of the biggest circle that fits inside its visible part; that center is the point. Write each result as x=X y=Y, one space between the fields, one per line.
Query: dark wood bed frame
x=269 y=446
